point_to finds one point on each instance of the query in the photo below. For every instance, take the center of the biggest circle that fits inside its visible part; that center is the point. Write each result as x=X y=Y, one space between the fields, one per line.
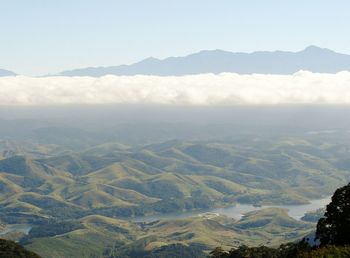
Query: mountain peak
x=4 y=72
x=212 y=52
x=150 y=60
x=312 y=47
x=314 y=59
x=316 y=49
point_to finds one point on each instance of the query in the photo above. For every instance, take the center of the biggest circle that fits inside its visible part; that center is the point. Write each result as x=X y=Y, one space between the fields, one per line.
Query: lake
x=238 y=210
x=23 y=228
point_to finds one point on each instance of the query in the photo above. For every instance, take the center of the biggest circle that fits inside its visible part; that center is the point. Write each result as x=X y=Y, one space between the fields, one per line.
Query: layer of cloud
x=206 y=89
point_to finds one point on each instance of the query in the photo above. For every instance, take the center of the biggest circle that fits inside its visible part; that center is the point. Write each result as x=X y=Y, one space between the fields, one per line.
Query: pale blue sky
x=48 y=36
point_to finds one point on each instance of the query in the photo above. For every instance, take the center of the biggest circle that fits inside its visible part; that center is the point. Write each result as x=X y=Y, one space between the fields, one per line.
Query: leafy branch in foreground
x=334 y=228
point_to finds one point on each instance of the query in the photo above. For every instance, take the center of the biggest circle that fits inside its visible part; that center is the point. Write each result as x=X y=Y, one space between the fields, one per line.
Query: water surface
x=238 y=210
x=22 y=228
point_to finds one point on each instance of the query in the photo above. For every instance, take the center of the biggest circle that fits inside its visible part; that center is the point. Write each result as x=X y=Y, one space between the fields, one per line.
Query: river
x=238 y=210
x=23 y=228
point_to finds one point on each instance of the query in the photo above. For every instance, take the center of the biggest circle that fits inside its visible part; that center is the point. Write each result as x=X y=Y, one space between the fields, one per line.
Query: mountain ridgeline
x=6 y=73
x=312 y=58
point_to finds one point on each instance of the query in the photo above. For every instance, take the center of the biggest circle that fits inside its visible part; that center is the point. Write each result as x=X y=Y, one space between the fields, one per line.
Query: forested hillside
x=9 y=249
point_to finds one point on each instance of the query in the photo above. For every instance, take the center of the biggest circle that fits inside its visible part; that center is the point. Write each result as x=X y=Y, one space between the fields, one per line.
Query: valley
x=98 y=198
x=174 y=129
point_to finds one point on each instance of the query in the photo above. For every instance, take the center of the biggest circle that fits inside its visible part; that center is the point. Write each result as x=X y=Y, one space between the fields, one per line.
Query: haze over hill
x=312 y=58
x=75 y=178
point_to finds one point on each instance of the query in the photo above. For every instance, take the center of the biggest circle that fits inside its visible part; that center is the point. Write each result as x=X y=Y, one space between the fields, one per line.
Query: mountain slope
x=11 y=249
x=121 y=181
x=312 y=59
x=6 y=73
x=119 y=238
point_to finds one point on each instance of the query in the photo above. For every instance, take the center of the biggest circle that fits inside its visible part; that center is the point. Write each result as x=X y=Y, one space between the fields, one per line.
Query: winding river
x=238 y=210
x=22 y=228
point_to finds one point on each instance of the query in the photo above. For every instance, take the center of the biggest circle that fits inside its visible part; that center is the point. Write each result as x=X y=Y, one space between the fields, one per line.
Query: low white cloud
x=205 y=89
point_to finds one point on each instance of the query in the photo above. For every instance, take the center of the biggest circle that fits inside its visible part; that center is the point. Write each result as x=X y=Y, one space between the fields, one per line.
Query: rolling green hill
x=122 y=181
x=85 y=198
x=94 y=235
x=9 y=249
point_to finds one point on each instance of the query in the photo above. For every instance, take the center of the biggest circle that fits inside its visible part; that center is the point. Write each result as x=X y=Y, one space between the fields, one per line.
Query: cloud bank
x=205 y=89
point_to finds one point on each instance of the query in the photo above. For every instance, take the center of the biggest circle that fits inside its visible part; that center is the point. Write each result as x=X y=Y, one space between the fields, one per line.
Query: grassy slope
x=269 y=226
x=11 y=249
x=117 y=180
x=288 y=170
x=99 y=232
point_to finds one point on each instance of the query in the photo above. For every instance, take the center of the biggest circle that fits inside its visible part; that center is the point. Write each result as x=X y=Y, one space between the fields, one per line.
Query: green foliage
x=218 y=252
x=253 y=252
x=173 y=251
x=328 y=251
x=9 y=249
x=334 y=228
x=51 y=228
x=291 y=250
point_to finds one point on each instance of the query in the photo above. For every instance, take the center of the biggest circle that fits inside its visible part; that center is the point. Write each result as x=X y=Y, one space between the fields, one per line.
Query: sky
x=40 y=37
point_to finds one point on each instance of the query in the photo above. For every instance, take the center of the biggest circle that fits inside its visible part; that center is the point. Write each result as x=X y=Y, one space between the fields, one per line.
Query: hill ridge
x=312 y=58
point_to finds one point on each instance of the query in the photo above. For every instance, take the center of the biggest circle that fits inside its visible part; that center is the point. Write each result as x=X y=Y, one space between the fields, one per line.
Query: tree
x=334 y=228
x=218 y=252
x=254 y=252
x=10 y=249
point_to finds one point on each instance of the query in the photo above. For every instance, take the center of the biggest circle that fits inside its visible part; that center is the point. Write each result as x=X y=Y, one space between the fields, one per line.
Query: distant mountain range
x=6 y=73
x=312 y=58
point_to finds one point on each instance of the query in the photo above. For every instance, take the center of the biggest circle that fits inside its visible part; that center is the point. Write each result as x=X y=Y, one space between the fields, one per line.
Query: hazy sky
x=48 y=36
